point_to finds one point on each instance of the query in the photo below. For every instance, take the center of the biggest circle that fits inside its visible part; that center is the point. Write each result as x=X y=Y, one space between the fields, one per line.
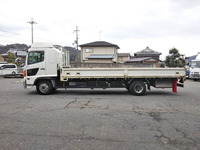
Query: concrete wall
x=110 y=65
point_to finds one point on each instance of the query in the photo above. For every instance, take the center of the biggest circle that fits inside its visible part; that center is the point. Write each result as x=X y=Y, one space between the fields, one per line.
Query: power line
x=6 y=36
x=9 y=37
x=9 y=32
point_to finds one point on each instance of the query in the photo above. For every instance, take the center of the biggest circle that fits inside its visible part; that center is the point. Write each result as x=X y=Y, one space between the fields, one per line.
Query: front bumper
x=25 y=85
x=194 y=76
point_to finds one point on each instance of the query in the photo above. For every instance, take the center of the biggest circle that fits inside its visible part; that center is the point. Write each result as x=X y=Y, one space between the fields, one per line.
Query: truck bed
x=121 y=73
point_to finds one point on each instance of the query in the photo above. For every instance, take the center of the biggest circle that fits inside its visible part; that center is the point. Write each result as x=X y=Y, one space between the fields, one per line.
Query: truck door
x=36 y=63
x=51 y=62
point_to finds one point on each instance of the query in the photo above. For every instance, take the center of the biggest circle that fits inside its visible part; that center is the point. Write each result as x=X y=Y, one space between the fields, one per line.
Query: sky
x=131 y=24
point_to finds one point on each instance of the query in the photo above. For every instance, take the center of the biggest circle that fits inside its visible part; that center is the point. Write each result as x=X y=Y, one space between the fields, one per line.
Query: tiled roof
x=147 y=51
x=139 y=59
x=101 y=56
x=21 y=53
x=99 y=44
x=17 y=53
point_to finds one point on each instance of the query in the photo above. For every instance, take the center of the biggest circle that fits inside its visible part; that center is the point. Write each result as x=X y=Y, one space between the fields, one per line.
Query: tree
x=175 y=59
x=11 y=58
x=1 y=58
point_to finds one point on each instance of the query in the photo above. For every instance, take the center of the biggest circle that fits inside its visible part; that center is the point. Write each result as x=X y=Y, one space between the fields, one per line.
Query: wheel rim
x=43 y=87
x=138 y=88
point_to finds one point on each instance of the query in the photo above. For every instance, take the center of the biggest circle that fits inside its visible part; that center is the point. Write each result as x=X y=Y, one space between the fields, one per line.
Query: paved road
x=99 y=119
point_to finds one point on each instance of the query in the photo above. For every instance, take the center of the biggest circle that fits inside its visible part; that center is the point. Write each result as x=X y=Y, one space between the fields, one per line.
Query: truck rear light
x=24 y=73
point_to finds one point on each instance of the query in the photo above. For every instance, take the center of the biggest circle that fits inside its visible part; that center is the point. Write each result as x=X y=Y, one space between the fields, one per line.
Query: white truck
x=195 y=68
x=48 y=68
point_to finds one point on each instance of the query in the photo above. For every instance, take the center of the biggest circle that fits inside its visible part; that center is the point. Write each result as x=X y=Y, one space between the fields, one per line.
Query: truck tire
x=137 y=88
x=44 y=87
x=13 y=72
x=128 y=88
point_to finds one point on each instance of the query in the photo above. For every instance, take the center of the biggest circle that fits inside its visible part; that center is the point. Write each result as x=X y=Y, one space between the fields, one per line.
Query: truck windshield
x=195 y=64
x=35 y=57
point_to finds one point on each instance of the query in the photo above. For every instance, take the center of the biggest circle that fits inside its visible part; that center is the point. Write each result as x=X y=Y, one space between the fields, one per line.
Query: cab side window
x=35 y=57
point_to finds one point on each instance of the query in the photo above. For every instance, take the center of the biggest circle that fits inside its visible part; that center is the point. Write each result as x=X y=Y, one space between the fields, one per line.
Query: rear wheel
x=128 y=88
x=137 y=88
x=44 y=87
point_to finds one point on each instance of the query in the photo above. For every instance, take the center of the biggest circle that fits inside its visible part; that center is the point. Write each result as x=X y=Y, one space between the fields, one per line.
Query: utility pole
x=76 y=42
x=32 y=23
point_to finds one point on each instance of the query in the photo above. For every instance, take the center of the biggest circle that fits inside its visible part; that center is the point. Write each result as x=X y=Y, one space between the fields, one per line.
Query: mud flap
x=174 y=87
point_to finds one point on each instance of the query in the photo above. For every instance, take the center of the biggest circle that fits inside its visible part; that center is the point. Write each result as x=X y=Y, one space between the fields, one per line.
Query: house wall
x=122 y=59
x=21 y=58
x=98 y=50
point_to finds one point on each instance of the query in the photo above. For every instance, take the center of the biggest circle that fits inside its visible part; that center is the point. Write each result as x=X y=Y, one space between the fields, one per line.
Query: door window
x=35 y=57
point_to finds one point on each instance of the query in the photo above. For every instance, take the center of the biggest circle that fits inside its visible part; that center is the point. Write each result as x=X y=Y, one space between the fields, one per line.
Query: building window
x=89 y=50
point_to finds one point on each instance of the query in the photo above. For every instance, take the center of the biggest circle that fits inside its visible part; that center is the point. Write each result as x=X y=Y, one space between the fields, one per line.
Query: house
x=19 y=54
x=147 y=52
x=189 y=59
x=146 y=57
x=99 y=52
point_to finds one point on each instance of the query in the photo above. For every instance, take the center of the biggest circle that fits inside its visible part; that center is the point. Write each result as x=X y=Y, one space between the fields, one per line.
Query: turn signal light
x=24 y=73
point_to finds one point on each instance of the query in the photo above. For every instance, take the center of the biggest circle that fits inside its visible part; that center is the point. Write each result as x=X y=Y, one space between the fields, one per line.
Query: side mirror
x=1 y=68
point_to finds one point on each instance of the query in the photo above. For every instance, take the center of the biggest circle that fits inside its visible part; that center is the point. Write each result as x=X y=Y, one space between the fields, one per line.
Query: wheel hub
x=138 y=88
x=44 y=87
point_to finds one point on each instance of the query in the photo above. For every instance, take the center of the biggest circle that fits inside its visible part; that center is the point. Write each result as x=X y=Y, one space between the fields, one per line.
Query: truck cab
x=43 y=62
x=195 y=68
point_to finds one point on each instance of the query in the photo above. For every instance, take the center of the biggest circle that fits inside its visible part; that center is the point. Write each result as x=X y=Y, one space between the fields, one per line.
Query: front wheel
x=137 y=88
x=13 y=72
x=44 y=87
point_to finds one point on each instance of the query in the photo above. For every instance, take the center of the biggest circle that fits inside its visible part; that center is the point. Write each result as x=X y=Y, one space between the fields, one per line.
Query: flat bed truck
x=48 y=68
